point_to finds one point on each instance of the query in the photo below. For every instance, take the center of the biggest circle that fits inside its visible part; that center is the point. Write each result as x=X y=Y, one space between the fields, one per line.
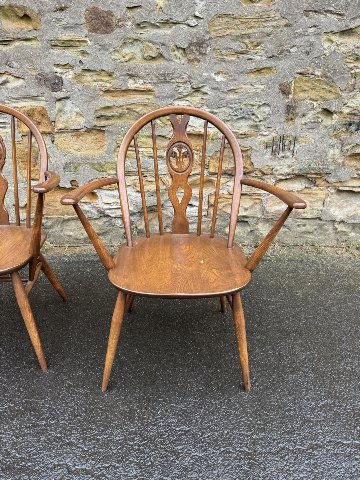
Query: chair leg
x=129 y=302
x=223 y=303
x=28 y=317
x=240 y=330
x=45 y=267
x=114 y=336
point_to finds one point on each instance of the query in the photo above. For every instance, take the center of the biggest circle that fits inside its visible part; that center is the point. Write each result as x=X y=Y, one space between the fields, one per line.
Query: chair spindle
x=142 y=190
x=202 y=175
x=28 y=182
x=15 y=173
x=217 y=188
x=157 y=180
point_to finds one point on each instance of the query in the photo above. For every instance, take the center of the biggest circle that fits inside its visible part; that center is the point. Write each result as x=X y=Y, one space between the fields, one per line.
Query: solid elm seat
x=15 y=247
x=178 y=265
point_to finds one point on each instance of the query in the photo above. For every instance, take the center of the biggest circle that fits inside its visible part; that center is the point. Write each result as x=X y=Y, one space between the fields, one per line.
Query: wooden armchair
x=179 y=264
x=20 y=242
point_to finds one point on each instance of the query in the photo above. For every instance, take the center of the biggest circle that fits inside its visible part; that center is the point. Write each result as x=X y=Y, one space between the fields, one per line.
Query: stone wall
x=283 y=74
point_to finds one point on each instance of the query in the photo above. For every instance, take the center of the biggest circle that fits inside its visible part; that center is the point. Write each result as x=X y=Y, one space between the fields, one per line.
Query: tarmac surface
x=175 y=408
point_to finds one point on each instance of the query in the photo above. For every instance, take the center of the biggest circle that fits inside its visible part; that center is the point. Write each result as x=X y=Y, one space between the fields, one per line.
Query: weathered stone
x=314 y=199
x=87 y=143
x=39 y=116
x=228 y=162
x=51 y=81
x=139 y=92
x=105 y=168
x=352 y=159
x=346 y=123
x=194 y=96
x=315 y=89
x=230 y=25
x=99 y=21
x=150 y=51
x=250 y=205
x=10 y=81
x=351 y=107
x=220 y=76
x=195 y=51
x=262 y=72
x=63 y=68
x=100 y=78
x=342 y=41
x=258 y=3
x=353 y=183
x=8 y=43
x=286 y=88
x=67 y=230
x=245 y=89
x=178 y=54
x=124 y=114
x=245 y=118
x=137 y=51
x=67 y=116
x=16 y=17
x=265 y=78
x=71 y=44
x=343 y=206
x=53 y=207
x=160 y=5
x=194 y=182
x=22 y=155
x=301 y=231
x=290 y=111
x=295 y=184
x=248 y=47
x=353 y=61
x=348 y=233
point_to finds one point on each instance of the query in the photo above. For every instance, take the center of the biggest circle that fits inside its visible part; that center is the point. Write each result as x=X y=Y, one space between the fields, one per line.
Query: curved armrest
x=290 y=199
x=76 y=195
x=49 y=184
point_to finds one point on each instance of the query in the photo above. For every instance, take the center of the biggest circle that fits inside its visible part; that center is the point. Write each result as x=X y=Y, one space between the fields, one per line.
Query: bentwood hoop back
x=180 y=263
x=22 y=238
x=180 y=152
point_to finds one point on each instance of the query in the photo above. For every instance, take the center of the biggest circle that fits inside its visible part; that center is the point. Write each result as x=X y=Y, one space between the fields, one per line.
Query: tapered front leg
x=114 y=336
x=28 y=317
x=240 y=330
x=50 y=275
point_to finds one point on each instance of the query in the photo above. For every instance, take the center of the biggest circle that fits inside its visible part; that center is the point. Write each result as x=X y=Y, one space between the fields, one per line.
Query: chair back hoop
x=43 y=164
x=179 y=161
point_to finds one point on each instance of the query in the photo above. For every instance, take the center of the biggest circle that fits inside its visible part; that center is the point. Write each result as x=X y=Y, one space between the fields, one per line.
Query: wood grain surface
x=179 y=265
x=15 y=247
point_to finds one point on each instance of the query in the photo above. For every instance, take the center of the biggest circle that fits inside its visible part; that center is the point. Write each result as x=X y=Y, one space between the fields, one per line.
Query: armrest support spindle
x=99 y=246
x=291 y=200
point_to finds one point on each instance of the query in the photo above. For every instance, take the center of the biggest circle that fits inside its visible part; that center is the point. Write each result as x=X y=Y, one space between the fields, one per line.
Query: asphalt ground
x=175 y=408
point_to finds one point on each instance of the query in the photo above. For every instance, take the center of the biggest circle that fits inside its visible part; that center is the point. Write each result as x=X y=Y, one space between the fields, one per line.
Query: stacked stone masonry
x=283 y=74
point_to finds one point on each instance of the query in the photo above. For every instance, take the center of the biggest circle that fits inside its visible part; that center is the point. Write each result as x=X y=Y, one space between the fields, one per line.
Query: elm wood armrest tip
x=69 y=199
x=52 y=181
x=300 y=205
x=289 y=198
x=78 y=193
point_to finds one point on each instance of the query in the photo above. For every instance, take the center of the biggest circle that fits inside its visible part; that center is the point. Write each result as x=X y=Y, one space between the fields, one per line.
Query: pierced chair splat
x=21 y=239
x=180 y=263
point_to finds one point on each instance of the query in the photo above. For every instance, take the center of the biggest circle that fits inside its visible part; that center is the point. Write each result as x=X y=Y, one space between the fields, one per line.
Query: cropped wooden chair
x=21 y=240
x=179 y=264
